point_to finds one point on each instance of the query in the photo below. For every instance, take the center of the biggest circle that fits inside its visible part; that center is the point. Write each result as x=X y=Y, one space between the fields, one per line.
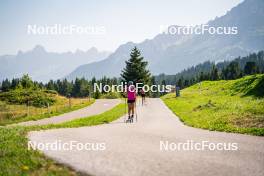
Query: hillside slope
x=231 y=106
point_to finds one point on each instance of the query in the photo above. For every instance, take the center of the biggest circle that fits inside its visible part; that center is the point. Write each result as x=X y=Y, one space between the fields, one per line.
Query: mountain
x=42 y=65
x=193 y=73
x=167 y=53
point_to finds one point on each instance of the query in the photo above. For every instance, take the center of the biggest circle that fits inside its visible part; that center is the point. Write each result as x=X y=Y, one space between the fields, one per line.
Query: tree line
x=226 y=70
x=80 y=87
x=136 y=71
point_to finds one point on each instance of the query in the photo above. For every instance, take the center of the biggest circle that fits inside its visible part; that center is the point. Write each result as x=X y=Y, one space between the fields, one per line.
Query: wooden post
x=89 y=93
x=177 y=91
x=200 y=85
x=48 y=109
x=70 y=102
x=28 y=108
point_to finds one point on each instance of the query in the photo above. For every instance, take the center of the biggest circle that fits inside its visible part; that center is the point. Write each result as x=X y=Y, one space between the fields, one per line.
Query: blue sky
x=124 y=21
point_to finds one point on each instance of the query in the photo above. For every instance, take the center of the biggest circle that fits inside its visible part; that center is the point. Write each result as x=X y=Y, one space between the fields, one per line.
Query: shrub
x=111 y=95
x=36 y=98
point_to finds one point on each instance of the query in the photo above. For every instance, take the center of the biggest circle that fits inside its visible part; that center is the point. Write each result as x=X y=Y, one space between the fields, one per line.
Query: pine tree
x=50 y=85
x=6 y=85
x=14 y=83
x=153 y=82
x=76 y=91
x=214 y=73
x=26 y=81
x=180 y=83
x=250 y=68
x=234 y=70
x=65 y=87
x=186 y=83
x=201 y=76
x=135 y=69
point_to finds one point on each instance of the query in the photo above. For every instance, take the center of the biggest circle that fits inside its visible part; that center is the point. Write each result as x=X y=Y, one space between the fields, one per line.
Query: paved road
x=99 y=106
x=134 y=149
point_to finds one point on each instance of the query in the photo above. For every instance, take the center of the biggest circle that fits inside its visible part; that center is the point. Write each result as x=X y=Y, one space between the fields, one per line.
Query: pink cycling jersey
x=131 y=93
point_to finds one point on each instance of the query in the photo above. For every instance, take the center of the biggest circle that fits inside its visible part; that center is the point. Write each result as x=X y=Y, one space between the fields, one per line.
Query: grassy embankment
x=16 y=159
x=24 y=105
x=231 y=106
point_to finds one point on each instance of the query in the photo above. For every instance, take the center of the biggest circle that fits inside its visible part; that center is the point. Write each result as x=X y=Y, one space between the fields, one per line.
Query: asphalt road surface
x=140 y=148
x=99 y=106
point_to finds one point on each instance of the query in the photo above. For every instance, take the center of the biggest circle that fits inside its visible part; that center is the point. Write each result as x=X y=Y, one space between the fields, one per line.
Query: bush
x=111 y=95
x=96 y=95
x=38 y=98
x=51 y=92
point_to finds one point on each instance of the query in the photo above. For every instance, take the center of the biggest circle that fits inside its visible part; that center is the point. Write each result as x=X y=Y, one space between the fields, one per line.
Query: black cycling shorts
x=130 y=101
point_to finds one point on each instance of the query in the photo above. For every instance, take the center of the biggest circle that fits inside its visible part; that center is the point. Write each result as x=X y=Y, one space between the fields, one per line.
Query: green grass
x=99 y=119
x=231 y=106
x=16 y=159
x=61 y=107
x=37 y=97
x=111 y=95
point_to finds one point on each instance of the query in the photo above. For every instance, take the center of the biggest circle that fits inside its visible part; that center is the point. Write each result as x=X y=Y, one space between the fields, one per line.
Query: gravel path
x=134 y=149
x=99 y=106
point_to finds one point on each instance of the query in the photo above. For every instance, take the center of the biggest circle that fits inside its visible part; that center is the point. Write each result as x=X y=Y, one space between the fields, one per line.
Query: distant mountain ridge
x=192 y=74
x=172 y=53
x=43 y=66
